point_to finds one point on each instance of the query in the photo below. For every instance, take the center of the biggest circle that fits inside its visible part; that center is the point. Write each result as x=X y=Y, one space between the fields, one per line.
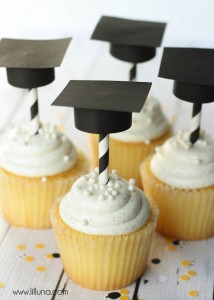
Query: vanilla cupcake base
x=126 y=156
x=185 y=214
x=26 y=202
x=103 y=262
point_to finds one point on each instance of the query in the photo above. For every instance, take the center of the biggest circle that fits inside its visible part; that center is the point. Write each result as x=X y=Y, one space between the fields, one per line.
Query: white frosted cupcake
x=34 y=171
x=104 y=231
x=180 y=179
x=129 y=148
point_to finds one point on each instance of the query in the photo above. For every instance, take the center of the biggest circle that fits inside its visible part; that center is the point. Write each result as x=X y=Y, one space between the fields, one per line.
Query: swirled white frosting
x=147 y=125
x=183 y=165
x=113 y=209
x=47 y=153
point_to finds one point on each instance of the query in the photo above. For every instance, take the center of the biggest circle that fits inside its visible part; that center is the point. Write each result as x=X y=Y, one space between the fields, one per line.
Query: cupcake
x=104 y=232
x=129 y=148
x=34 y=171
x=179 y=178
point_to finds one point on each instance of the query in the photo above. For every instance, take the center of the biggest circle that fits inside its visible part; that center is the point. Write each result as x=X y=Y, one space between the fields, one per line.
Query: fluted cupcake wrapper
x=184 y=214
x=26 y=202
x=126 y=156
x=102 y=262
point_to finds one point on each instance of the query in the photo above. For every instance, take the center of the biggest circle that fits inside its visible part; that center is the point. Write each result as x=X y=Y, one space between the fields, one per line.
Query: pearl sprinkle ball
x=110 y=191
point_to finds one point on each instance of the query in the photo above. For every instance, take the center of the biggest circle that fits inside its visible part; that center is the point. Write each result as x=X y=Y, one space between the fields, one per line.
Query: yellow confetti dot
x=171 y=247
x=124 y=298
x=2 y=285
x=185 y=263
x=61 y=128
x=184 y=277
x=41 y=269
x=21 y=247
x=49 y=256
x=124 y=291
x=29 y=258
x=39 y=246
x=192 y=273
x=193 y=293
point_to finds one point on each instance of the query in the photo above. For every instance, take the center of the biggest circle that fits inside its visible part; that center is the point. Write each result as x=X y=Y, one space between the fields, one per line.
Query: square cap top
x=131 y=40
x=192 y=69
x=16 y=53
x=31 y=63
x=103 y=106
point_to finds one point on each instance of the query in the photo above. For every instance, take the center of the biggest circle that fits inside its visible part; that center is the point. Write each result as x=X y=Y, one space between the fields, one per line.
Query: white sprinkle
x=94 y=174
x=163 y=278
x=54 y=136
x=110 y=183
x=96 y=170
x=132 y=181
x=102 y=187
x=117 y=185
x=106 y=193
x=101 y=197
x=87 y=193
x=96 y=186
x=66 y=158
x=92 y=180
x=110 y=189
x=90 y=188
x=114 y=193
x=84 y=178
x=41 y=130
x=44 y=179
x=110 y=197
x=47 y=136
x=64 y=138
x=115 y=174
x=131 y=188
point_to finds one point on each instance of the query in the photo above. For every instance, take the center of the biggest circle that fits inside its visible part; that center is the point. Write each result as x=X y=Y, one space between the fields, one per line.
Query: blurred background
x=190 y=24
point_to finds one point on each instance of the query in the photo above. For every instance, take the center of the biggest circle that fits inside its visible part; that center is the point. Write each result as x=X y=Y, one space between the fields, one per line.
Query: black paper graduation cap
x=192 y=70
x=31 y=63
x=131 y=40
x=103 y=106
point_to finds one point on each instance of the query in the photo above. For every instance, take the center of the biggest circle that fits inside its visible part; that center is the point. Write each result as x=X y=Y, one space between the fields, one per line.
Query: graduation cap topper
x=192 y=70
x=103 y=107
x=131 y=40
x=30 y=64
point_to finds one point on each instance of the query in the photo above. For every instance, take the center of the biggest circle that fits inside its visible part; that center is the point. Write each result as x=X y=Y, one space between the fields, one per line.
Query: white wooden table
x=176 y=270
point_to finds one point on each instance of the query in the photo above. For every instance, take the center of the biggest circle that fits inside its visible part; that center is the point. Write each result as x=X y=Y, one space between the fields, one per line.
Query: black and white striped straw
x=133 y=73
x=34 y=110
x=103 y=159
x=195 y=122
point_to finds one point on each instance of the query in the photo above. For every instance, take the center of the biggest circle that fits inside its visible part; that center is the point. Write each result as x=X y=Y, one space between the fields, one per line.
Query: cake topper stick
x=133 y=73
x=192 y=70
x=34 y=110
x=195 y=122
x=103 y=107
x=103 y=159
x=130 y=40
x=30 y=64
